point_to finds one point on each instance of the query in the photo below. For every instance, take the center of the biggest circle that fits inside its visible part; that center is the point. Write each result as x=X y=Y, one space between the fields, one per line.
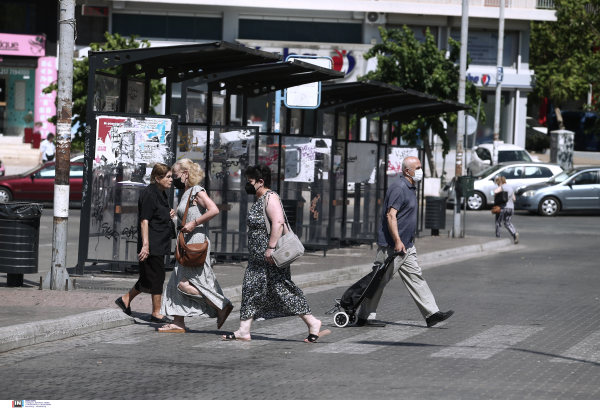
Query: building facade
x=28 y=36
x=345 y=30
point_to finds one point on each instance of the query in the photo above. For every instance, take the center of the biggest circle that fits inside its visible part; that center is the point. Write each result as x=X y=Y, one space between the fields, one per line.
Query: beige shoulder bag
x=288 y=248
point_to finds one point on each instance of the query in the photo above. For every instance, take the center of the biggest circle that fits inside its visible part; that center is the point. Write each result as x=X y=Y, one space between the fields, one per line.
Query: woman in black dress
x=154 y=241
x=267 y=291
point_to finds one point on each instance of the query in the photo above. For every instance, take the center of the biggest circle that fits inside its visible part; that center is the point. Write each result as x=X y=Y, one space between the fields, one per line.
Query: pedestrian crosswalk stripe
x=587 y=350
x=486 y=344
x=374 y=339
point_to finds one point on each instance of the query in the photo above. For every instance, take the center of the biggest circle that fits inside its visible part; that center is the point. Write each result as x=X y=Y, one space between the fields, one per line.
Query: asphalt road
x=525 y=327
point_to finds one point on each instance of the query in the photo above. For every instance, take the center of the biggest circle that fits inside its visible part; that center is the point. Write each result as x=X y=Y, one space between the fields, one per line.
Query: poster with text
x=395 y=157
x=362 y=162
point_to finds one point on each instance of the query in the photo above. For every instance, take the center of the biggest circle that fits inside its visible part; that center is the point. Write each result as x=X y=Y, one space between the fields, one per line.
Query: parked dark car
x=37 y=184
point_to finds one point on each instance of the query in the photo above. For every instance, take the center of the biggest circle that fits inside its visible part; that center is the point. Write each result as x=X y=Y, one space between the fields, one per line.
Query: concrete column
x=231 y=20
x=520 y=118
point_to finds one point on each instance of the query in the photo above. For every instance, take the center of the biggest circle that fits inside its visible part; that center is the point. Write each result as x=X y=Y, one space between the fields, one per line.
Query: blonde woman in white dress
x=193 y=291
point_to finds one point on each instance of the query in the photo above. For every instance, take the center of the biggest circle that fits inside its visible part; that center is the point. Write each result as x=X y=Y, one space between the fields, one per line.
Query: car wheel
x=476 y=202
x=5 y=195
x=549 y=206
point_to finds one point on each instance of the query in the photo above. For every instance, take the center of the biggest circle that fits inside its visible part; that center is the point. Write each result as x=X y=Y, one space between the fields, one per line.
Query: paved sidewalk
x=19 y=306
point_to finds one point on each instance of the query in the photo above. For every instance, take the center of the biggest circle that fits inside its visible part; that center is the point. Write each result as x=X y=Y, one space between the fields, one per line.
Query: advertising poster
x=121 y=140
x=395 y=157
x=362 y=162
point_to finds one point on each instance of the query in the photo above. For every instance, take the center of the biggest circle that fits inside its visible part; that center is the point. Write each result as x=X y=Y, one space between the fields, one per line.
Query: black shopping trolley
x=346 y=307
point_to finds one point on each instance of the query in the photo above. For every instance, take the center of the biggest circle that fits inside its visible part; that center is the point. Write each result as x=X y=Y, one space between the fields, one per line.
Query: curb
x=234 y=294
x=27 y=334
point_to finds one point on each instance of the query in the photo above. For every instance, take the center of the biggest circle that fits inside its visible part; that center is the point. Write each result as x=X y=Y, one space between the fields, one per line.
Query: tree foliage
x=563 y=52
x=80 y=81
x=404 y=61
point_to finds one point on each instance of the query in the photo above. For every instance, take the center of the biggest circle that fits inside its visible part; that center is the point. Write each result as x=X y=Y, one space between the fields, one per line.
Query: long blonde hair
x=195 y=172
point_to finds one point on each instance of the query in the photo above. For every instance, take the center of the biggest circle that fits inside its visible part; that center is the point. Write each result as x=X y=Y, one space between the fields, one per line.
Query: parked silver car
x=517 y=174
x=574 y=189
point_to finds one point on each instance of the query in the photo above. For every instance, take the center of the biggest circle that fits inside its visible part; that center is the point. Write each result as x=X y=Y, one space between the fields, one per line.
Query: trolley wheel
x=341 y=319
x=353 y=318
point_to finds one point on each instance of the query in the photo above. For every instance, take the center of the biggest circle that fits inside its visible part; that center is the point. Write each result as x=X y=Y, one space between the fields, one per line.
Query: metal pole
x=58 y=272
x=460 y=131
x=499 y=77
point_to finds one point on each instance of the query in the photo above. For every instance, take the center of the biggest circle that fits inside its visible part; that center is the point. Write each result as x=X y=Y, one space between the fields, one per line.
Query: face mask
x=250 y=189
x=418 y=175
x=178 y=183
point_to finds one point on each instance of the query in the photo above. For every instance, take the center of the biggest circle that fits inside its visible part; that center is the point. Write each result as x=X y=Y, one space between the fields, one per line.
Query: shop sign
x=23 y=45
x=44 y=104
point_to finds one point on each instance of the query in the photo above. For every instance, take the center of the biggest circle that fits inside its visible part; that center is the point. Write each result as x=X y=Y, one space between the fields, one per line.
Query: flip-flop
x=179 y=330
x=231 y=337
x=312 y=338
x=228 y=310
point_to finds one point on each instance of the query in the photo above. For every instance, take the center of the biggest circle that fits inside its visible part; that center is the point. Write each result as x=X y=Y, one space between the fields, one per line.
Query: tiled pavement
x=525 y=327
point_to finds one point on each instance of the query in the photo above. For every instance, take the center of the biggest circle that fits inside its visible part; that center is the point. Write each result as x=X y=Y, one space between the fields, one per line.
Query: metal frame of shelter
x=208 y=75
x=222 y=68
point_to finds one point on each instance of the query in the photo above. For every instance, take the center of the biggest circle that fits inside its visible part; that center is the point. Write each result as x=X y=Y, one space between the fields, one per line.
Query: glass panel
x=106 y=93
x=386 y=132
x=360 y=223
x=219 y=109
x=328 y=124
x=373 y=131
x=395 y=157
x=76 y=172
x=342 y=127
x=258 y=112
x=339 y=165
x=196 y=105
x=135 y=96
x=268 y=154
x=47 y=172
x=295 y=121
x=306 y=187
x=20 y=95
x=126 y=149
x=353 y=128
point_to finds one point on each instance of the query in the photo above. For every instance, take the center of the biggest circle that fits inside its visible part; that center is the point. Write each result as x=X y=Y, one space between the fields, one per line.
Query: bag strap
x=268 y=222
x=187 y=207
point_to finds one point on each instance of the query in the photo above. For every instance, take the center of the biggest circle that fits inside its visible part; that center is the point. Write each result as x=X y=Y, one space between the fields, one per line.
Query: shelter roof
x=371 y=98
x=182 y=62
x=265 y=78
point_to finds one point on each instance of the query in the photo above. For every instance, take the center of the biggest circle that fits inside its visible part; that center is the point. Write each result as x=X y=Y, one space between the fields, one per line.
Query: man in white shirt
x=47 y=149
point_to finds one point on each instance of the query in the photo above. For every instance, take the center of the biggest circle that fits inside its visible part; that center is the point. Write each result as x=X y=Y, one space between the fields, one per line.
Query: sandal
x=231 y=337
x=312 y=338
x=227 y=310
x=172 y=329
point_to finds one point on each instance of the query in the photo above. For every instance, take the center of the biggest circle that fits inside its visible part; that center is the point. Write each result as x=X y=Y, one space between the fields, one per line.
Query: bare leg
x=244 y=331
x=185 y=286
x=129 y=296
x=156 y=306
x=314 y=324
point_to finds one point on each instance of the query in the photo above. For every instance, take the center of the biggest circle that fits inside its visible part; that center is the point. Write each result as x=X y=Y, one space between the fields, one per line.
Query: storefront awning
x=182 y=62
x=371 y=98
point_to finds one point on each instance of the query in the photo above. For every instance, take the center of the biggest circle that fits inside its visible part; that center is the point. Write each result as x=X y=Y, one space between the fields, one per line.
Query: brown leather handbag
x=192 y=255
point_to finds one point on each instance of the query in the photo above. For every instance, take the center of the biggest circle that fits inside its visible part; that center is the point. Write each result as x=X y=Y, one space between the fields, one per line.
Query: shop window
x=483 y=46
x=168 y=27
x=20 y=95
x=309 y=31
x=17 y=17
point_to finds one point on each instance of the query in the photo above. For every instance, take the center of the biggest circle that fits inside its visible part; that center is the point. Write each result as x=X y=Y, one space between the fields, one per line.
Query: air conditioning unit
x=375 y=18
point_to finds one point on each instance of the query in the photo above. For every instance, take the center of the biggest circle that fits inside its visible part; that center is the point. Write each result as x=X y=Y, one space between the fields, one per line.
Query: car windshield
x=489 y=171
x=513 y=155
x=560 y=177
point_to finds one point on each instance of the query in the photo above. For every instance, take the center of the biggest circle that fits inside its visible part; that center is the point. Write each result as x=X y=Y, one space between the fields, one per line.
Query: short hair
x=500 y=180
x=405 y=162
x=159 y=171
x=50 y=135
x=259 y=172
x=195 y=172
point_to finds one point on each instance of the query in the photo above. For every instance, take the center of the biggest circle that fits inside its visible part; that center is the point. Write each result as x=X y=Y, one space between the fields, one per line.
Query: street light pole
x=499 y=78
x=460 y=131
x=58 y=272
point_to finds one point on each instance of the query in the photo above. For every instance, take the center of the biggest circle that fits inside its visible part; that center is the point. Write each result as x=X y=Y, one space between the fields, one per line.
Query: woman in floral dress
x=268 y=292
x=193 y=291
